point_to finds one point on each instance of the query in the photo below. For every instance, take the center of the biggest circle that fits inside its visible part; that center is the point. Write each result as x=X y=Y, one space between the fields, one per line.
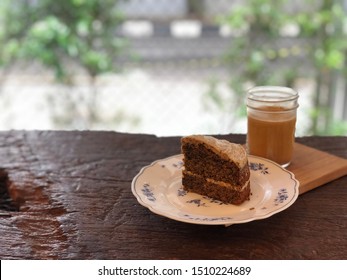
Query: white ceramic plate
x=159 y=188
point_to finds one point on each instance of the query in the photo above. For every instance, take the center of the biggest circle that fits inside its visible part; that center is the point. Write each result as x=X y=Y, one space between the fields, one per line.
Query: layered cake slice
x=215 y=168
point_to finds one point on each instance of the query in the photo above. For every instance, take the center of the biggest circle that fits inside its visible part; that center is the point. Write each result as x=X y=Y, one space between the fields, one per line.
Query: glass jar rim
x=268 y=94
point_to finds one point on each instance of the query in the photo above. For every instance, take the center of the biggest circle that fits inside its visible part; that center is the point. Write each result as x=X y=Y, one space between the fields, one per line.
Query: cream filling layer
x=220 y=183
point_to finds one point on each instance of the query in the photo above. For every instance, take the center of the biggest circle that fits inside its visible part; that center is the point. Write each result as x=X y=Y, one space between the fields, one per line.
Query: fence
x=174 y=62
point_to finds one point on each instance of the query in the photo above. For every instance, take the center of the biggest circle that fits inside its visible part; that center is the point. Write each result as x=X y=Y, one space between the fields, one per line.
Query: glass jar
x=271 y=119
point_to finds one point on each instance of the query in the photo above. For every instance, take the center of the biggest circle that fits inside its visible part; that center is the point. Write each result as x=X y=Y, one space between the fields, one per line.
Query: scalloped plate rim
x=207 y=220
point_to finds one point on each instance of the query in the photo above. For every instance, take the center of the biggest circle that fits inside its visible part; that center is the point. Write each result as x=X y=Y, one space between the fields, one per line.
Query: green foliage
x=326 y=24
x=49 y=31
x=258 y=56
x=61 y=34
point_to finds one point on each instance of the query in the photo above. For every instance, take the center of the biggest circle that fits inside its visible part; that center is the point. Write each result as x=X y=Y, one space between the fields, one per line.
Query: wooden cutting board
x=314 y=168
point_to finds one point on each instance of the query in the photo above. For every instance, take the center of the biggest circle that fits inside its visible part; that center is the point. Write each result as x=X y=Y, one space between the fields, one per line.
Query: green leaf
x=335 y=59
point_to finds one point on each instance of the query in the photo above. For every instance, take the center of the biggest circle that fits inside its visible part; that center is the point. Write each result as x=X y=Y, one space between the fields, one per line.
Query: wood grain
x=74 y=193
x=314 y=168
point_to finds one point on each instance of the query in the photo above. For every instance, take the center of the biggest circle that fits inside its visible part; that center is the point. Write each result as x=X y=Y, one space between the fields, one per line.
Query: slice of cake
x=215 y=168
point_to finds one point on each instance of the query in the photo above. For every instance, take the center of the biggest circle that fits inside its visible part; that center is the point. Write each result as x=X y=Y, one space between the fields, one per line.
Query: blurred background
x=169 y=67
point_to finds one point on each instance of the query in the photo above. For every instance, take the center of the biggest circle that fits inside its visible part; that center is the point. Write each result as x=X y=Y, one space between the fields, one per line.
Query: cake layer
x=202 y=159
x=226 y=193
x=222 y=148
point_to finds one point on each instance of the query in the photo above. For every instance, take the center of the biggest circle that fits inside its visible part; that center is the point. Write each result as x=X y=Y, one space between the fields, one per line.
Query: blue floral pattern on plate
x=282 y=195
x=159 y=188
x=255 y=166
x=148 y=193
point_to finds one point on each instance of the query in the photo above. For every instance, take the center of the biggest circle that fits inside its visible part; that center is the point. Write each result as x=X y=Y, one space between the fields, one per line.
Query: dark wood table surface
x=69 y=197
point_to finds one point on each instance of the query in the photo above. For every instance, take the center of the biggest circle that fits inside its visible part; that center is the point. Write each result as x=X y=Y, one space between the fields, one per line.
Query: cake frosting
x=215 y=168
x=224 y=148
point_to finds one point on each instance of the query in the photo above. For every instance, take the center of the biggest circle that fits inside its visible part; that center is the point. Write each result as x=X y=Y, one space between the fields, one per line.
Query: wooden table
x=73 y=190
